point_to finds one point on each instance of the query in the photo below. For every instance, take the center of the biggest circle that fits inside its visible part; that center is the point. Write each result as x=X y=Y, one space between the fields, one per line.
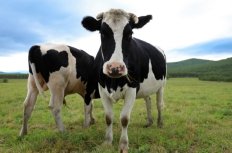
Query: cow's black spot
x=124 y=121
x=107 y=41
x=54 y=60
x=108 y=120
x=50 y=62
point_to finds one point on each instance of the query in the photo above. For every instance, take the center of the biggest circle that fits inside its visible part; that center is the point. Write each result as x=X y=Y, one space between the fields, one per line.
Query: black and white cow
x=63 y=70
x=128 y=68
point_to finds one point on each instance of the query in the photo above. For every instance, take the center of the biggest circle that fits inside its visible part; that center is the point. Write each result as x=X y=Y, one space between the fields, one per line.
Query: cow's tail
x=35 y=76
x=34 y=60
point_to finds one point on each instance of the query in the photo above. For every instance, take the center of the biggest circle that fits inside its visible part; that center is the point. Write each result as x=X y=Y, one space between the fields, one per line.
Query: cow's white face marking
x=117 y=25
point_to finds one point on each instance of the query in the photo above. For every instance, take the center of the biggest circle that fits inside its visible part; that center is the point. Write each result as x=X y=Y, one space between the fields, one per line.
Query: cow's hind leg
x=149 y=114
x=56 y=102
x=160 y=103
x=89 y=119
x=29 y=104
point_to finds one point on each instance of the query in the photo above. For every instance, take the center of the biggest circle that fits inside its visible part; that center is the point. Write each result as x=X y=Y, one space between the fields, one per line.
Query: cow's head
x=115 y=27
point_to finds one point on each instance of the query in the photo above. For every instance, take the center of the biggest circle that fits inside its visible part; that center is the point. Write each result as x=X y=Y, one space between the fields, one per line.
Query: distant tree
x=4 y=80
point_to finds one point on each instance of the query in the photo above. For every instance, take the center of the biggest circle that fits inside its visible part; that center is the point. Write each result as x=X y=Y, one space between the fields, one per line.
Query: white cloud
x=89 y=43
x=16 y=62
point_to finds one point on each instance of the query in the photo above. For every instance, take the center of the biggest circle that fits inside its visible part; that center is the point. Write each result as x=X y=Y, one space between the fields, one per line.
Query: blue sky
x=184 y=29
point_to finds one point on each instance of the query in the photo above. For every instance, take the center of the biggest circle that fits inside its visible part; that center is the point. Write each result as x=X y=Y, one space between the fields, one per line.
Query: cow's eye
x=102 y=35
x=129 y=36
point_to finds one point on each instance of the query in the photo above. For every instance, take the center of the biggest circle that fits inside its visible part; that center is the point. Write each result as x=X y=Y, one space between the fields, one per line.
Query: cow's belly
x=66 y=78
x=149 y=87
x=75 y=86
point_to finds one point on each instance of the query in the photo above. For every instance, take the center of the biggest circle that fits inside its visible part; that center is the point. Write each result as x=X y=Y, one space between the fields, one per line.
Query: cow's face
x=115 y=27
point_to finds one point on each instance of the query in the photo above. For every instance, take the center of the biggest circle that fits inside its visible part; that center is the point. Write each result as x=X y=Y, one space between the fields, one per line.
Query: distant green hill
x=203 y=69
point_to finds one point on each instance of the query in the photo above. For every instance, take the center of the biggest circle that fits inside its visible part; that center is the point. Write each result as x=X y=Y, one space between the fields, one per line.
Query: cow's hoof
x=160 y=125
x=107 y=143
x=86 y=124
x=148 y=124
x=22 y=132
x=123 y=150
x=92 y=121
x=61 y=129
x=123 y=145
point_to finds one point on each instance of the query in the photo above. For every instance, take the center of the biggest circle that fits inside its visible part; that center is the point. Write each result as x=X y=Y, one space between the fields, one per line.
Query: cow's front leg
x=108 y=107
x=125 y=117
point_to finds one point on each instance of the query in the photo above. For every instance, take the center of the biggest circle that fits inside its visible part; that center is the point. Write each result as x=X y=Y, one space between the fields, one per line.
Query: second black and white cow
x=127 y=68
x=63 y=70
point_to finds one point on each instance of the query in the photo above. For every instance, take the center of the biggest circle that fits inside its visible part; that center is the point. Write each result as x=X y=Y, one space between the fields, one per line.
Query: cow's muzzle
x=115 y=70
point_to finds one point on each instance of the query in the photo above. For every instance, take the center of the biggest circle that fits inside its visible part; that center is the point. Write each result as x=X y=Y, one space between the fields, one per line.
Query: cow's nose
x=115 y=69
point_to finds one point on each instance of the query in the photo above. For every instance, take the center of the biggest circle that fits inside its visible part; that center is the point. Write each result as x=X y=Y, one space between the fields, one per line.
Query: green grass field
x=197 y=119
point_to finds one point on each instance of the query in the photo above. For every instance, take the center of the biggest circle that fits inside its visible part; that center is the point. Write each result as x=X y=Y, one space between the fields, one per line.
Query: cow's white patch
x=58 y=47
x=150 y=85
x=115 y=95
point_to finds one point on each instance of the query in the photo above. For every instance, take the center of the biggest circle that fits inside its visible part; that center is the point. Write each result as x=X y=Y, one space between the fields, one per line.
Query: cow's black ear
x=142 y=21
x=91 y=23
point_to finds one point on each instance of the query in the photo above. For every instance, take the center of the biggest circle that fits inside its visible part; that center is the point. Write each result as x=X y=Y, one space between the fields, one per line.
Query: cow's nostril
x=109 y=66
x=114 y=71
x=121 y=67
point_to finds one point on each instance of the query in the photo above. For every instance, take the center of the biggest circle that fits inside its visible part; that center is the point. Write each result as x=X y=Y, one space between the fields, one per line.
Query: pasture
x=197 y=119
